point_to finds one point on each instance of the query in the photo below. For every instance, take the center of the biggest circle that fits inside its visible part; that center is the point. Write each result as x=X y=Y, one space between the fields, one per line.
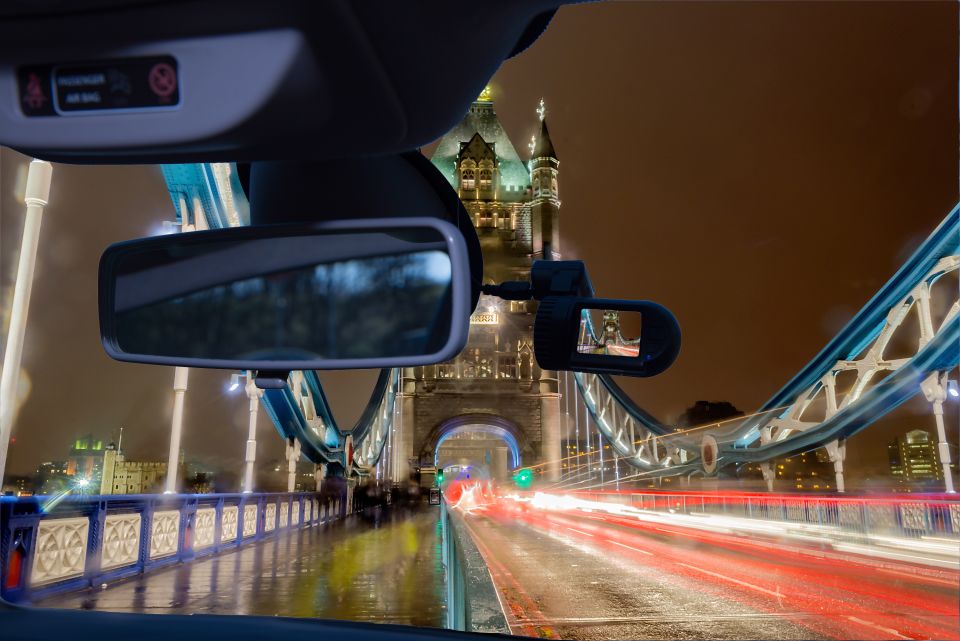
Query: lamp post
x=176 y=427
x=36 y=197
x=253 y=394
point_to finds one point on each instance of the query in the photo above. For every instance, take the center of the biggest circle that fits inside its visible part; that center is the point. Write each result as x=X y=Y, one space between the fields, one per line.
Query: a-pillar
x=36 y=196
x=550 y=430
x=293 y=455
x=837 y=451
x=935 y=390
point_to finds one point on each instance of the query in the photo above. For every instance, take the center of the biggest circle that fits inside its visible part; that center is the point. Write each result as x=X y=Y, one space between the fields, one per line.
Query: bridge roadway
x=583 y=575
x=559 y=574
x=382 y=567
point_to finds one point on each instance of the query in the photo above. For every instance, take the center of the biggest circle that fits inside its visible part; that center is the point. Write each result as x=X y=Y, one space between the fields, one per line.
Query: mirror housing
x=564 y=337
x=349 y=294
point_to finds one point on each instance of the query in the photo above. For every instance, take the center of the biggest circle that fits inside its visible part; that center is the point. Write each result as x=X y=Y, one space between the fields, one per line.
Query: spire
x=544 y=146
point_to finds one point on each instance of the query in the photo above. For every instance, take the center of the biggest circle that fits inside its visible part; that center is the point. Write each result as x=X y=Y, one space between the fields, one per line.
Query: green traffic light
x=523 y=478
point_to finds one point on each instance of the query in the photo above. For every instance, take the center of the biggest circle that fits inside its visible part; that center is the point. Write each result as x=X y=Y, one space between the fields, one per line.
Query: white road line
x=630 y=547
x=921 y=577
x=889 y=631
x=579 y=532
x=732 y=580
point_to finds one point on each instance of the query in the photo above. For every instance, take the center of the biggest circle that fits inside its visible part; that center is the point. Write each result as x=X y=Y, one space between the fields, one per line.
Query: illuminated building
x=807 y=471
x=804 y=472
x=914 y=460
x=130 y=477
x=17 y=485
x=52 y=477
x=86 y=458
x=494 y=388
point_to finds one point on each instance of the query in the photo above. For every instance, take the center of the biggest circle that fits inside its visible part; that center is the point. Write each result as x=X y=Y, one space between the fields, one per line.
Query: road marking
x=920 y=577
x=889 y=631
x=540 y=630
x=630 y=547
x=579 y=531
x=732 y=580
x=678 y=618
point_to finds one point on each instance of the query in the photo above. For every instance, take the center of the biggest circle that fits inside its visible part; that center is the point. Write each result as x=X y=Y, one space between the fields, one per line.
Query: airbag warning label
x=108 y=85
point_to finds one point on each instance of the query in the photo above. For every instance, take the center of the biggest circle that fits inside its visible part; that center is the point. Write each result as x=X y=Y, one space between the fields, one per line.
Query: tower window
x=468 y=179
x=486 y=178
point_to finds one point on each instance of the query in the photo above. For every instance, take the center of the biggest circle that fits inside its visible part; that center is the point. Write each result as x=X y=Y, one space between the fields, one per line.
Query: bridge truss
x=850 y=384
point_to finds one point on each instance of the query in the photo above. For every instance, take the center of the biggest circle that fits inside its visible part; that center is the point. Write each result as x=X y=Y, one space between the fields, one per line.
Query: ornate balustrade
x=48 y=546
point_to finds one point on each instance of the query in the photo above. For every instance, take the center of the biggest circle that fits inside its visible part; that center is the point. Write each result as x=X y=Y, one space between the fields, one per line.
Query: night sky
x=760 y=169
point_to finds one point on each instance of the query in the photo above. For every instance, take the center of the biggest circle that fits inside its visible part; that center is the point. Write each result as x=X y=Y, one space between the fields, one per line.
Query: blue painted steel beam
x=848 y=343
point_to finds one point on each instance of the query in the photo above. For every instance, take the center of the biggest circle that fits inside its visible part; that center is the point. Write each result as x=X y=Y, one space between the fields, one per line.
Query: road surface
x=581 y=575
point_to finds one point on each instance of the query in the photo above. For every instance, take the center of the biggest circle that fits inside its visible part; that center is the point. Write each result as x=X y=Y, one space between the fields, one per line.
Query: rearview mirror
x=333 y=295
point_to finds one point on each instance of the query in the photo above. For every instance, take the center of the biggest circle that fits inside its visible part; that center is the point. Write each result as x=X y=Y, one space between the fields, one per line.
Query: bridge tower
x=545 y=206
x=492 y=406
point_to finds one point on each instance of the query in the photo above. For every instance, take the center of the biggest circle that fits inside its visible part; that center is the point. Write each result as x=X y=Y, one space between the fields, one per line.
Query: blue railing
x=83 y=541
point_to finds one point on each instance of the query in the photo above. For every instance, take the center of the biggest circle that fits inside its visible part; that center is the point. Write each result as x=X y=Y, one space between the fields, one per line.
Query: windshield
x=782 y=177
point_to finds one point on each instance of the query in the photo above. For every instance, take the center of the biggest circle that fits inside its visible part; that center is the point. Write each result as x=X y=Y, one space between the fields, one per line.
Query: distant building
x=52 y=477
x=86 y=459
x=705 y=412
x=200 y=483
x=804 y=472
x=130 y=477
x=808 y=471
x=914 y=461
x=18 y=486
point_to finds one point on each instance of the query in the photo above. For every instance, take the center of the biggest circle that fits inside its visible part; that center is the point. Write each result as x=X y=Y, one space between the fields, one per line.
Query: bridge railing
x=49 y=546
x=929 y=515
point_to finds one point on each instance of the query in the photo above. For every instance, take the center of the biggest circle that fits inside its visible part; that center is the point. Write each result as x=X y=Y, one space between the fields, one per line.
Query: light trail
x=776 y=573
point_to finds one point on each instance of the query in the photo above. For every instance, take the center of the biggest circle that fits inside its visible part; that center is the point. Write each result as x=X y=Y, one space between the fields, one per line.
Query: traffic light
x=523 y=478
x=439 y=477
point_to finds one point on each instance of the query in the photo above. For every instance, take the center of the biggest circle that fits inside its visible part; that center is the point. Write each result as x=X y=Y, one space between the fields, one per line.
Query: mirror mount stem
x=270 y=378
x=547 y=278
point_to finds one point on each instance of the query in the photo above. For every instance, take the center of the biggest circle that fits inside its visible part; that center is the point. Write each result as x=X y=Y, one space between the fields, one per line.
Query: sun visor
x=172 y=82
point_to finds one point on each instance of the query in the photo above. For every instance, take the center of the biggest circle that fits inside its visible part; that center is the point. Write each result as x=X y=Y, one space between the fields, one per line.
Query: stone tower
x=545 y=204
x=492 y=402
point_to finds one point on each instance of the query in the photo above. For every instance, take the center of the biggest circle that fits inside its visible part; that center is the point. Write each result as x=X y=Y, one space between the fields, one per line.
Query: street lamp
x=81 y=485
x=253 y=394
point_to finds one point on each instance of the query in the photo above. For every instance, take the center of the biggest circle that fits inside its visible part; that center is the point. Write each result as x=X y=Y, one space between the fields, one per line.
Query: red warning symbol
x=163 y=80
x=34 y=98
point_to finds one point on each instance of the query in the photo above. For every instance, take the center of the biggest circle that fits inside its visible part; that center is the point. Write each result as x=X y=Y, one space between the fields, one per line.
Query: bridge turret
x=544 y=181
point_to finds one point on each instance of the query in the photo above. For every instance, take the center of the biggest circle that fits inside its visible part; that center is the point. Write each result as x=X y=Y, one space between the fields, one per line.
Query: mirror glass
x=609 y=332
x=325 y=296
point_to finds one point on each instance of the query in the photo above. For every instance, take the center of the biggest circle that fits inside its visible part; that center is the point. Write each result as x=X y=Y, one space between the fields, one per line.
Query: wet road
x=580 y=575
x=387 y=570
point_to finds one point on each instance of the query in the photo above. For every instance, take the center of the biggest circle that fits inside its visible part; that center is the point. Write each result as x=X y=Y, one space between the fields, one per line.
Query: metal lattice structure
x=208 y=196
x=813 y=410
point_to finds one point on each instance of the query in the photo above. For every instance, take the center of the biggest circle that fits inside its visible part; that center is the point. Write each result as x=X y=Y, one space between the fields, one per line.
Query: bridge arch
x=491 y=424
